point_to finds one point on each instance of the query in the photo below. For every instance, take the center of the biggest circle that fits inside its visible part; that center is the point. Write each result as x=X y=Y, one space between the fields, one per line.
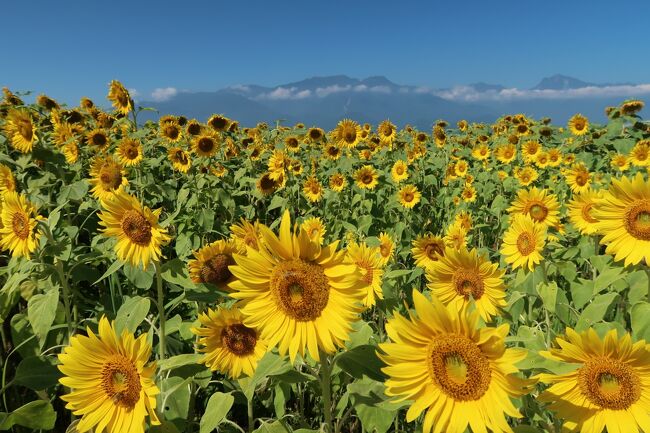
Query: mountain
x=324 y=101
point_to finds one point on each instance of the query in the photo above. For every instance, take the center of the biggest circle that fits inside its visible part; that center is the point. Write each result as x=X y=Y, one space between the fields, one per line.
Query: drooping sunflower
x=206 y=145
x=610 y=387
x=129 y=151
x=111 y=379
x=630 y=108
x=71 y=152
x=315 y=229
x=300 y=296
x=98 y=140
x=312 y=189
x=18 y=221
x=427 y=249
x=20 y=129
x=580 y=211
x=386 y=247
x=399 y=172
x=107 y=177
x=461 y=277
x=347 y=133
x=135 y=227
x=120 y=97
x=337 y=182
x=387 y=132
x=228 y=345
x=539 y=204
x=409 y=196
x=366 y=177
x=523 y=242
x=245 y=234
x=640 y=153
x=623 y=217
x=7 y=181
x=461 y=374
x=578 y=178
x=368 y=261
x=210 y=264
x=180 y=159
x=578 y=125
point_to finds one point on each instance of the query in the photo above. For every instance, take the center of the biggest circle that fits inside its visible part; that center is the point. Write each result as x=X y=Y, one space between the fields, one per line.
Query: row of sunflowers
x=482 y=277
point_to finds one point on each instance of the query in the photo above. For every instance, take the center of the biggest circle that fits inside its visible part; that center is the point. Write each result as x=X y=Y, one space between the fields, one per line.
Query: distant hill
x=325 y=100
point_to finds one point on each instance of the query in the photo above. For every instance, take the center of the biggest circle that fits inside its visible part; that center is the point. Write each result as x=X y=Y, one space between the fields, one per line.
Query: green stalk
x=326 y=390
x=161 y=311
x=66 y=296
x=251 y=418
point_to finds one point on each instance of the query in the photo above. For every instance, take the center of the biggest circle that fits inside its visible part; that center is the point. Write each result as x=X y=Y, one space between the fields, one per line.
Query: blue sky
x=73 y=48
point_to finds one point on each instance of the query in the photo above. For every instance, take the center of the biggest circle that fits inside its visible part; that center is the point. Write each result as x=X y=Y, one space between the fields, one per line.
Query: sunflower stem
x=326 y=390
x=251 y=418
x=66 y=296
x=161 y=312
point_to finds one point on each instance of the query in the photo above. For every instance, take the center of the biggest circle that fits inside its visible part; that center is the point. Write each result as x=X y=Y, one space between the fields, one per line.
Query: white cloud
x=240 y=87
x=303 y=94
x=134 y=93
x=326 y=91
x=379 y=89
x=163 y=93
x=469 y=94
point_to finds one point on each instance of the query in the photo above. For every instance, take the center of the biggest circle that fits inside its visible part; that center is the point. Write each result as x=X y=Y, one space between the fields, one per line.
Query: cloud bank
x=162 y=94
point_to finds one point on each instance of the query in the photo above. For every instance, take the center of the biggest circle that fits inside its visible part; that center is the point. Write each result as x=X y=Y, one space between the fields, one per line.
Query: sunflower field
x=197 y=275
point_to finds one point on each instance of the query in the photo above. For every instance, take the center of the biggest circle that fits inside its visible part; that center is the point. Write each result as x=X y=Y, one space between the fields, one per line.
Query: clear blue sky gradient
x=72 y=48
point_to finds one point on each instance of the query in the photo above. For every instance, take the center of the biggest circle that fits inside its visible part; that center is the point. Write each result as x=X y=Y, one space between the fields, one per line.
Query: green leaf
x=142 y=279
x=271 y=364
x=176 y=397
x=548 y=293
x=179 y=361
x=132 y=312
x=175 y=272
x=36 y=373
x=41 y=311
x=640 y=316
x=218 y=407
x=274 y=427
x=595 y=311
x=36 y=415
x=360 y=361
x=111 y=270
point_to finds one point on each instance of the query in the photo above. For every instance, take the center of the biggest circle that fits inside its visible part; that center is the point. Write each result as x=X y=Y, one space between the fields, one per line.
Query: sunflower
x=315 y=229
x=332 y=152
x=312 y=189
x=205 y=145
x=461 y=167
x=47 y=102
x=18 y=232
x=20 y=129
x=98 y=140
x=610 y=387
x=366 y=177
x=368 y=261
x=112 y=383
x=245 y=234
x=135 y=227
x=409 y=196
x=439 y=136
x=300 y=296
x=640 y=153
x=578 y=178
x=620 y=162
x=291 y=143
x=120 y=97
x=523 y=242
x=539 y=204
x=387 y=133
x=218 y=170
x=427 y=249
x=506 y=153
x=630 y=108
x=624 y=219
x=469 y=194
x=580 y=210
x=530 y=149
x=266 y=185
x=219 y=122
x=542 y=159
x=65 y=133
x=554 y=157
x=180 y=159
x=502 y=175
x=461 y=277
x=526 y=175
x=315 y=135
x=386 y=248
x=278 y=163
x=129 y=151
x=107 y=177
x=71 y=152
x=193 y=127
x=579 y=125
x=462 y=375
x=171 y=131
x=399 y=172
x=210 y=264
x=7 y=181
x=337 y=182
x=346 y=133
x=229 y=346
x=456 y=235
x=481 y=152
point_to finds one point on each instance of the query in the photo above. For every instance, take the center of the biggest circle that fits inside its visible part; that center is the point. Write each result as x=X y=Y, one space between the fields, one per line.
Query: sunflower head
x=18 y=225
x=409 y=196
x=219 y=122
x=20 y=129
x=347 y=133
x=180 y=159
x=523 y=242
x=211 y=264
x=315 y=229
x=366 y=177
x=107 y=177
x=578 y=125
x=427 y=249
x=337 y=182
x=120 y=97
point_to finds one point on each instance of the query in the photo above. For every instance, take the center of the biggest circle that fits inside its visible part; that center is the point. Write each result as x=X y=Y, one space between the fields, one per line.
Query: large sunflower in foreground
x=609 y=389
x=229 y=346
x=624 y=219
x=581 y=208
x=120 y=97
x=107 y=177
x=20 y=129
x=369 y=261
x=539 y=204
x=462 y=375
x=139 y=236
x=301 y=297
x=18 y=232
x=210 y=264
x=112 y=383
x=523 y=242
x=461 y=277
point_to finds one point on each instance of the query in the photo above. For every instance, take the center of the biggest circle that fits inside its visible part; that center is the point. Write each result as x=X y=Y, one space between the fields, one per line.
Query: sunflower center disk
x=121 y=381
x=525 y=243
x=433 y=251
x=215 y=270
x=301 y=289
x=586 y=213
x=206 y=145
x=136 y=227
x=582 y=178
x=132 y=153
x=239 y=339
x=459 y=368
x=99 y=139
x=111 y=177
x=25 y=130
x=537 y=211
x=609 y=383
x=637 y=220
x=468 y=283
x=20 y=225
